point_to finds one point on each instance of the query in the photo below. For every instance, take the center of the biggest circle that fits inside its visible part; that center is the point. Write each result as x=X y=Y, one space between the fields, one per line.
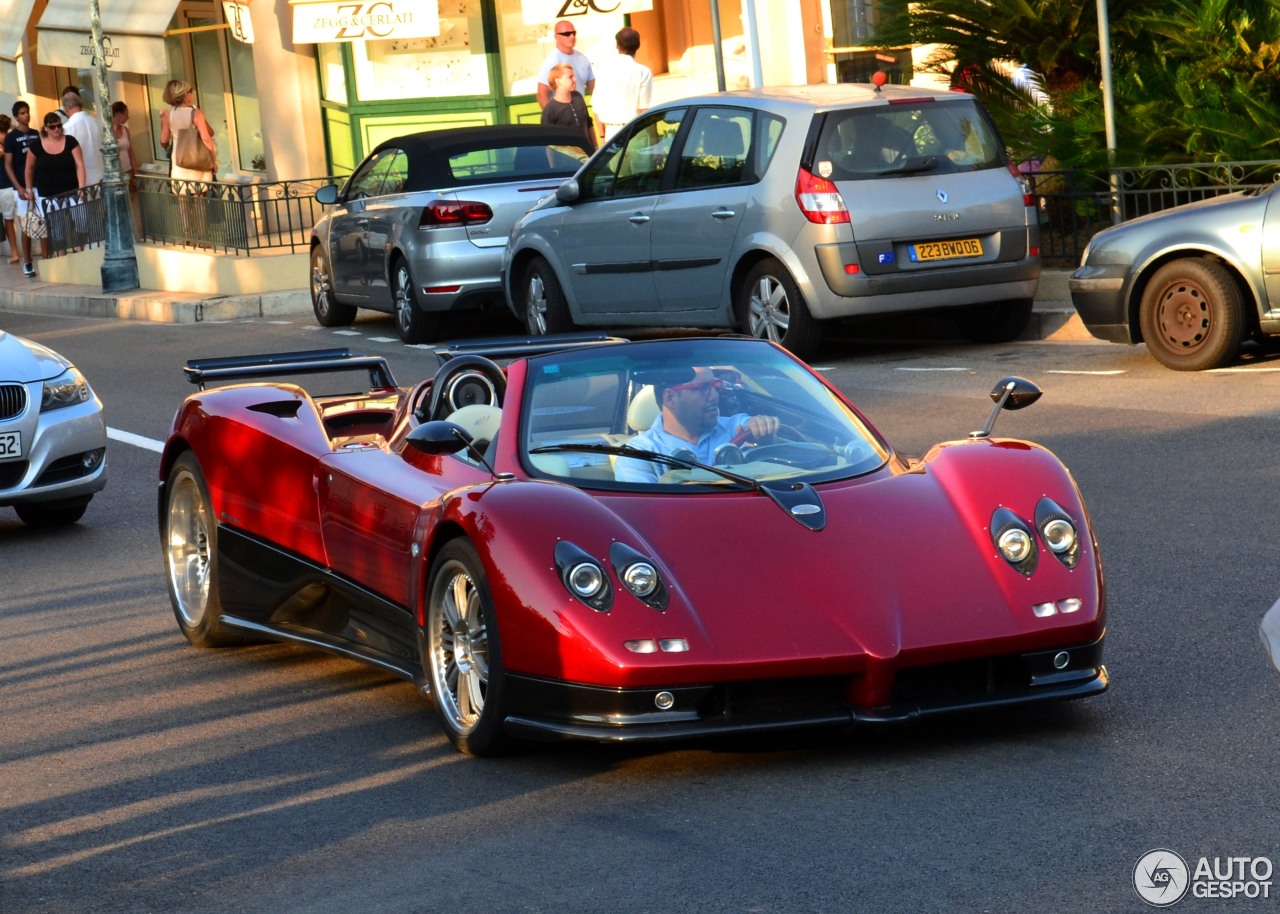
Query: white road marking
x=147 y=444
x=382 y=339
x=1113 y=371
x=348 y=333
x=901 y=368
x=1251 y=369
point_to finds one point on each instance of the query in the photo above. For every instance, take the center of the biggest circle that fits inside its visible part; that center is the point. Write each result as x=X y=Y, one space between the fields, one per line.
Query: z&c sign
x=364 y=20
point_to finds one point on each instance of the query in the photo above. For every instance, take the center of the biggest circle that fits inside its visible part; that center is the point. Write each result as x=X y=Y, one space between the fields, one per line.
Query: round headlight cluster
x=586 y=579
x=1059 y=535
x=641 y=579
x=1016 y=545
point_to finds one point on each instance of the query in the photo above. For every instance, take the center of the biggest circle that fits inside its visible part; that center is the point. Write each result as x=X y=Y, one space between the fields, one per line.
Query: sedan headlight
x=67 y=389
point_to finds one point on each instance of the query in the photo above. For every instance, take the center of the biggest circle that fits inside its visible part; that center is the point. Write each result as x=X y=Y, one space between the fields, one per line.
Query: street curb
x=1053 y=317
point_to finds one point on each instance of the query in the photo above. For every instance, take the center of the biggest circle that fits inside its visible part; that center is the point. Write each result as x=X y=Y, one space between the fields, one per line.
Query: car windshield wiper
x=912 y=166
x=798 y=499
x=623 y=450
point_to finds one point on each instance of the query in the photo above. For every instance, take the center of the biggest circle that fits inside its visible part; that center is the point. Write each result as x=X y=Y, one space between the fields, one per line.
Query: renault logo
x=942 y=196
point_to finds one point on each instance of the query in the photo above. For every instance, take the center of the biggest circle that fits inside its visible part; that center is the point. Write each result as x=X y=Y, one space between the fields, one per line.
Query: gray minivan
x=773 y=210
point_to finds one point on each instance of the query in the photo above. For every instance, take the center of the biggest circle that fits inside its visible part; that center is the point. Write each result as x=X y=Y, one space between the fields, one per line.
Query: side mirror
x=568 y=191
x=327 y=195
x=1009 y=393
x=438 y=438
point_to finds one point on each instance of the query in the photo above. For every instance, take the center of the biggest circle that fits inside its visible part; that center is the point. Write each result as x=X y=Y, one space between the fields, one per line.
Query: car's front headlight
x=67 y=389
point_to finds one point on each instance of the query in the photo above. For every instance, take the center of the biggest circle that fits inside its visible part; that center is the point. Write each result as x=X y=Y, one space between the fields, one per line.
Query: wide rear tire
x=771 y=307
x=190 y=538
x=413 y=324
x=1192 y=315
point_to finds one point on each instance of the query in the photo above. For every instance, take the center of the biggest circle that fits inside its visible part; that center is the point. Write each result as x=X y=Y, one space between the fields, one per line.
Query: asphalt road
x=138 y=774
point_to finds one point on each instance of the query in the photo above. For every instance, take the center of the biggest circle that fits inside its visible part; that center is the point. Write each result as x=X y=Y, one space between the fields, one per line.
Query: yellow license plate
x=945 y=250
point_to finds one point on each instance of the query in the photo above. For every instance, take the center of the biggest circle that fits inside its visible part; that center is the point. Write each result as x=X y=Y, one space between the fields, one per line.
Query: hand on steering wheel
x=757 y=429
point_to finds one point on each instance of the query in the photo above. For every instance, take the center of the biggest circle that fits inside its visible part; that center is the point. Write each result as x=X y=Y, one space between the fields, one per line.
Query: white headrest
x=480 y=420
x=643 y=411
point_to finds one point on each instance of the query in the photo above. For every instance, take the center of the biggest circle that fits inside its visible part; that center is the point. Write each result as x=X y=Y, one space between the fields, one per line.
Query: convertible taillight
x=444 y=213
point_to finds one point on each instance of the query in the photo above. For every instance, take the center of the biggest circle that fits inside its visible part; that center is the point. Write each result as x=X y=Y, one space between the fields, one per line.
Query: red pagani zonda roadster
x=523 y=546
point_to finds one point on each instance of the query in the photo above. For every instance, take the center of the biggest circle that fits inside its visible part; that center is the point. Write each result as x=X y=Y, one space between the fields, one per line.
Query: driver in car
x=690 y=426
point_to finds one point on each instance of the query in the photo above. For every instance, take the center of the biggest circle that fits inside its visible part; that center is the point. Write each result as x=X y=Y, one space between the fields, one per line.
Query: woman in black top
x=55 y=165
x=567 y=108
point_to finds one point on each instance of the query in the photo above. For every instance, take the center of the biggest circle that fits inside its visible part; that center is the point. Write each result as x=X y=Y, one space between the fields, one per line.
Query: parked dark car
x=419 y=227
x=1192 y=282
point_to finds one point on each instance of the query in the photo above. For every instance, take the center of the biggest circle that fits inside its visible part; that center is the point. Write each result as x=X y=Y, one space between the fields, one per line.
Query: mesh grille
x=11 y=473
x=13 y=400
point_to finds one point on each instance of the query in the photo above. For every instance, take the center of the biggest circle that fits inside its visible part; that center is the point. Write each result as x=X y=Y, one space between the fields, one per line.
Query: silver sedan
x=53 y=440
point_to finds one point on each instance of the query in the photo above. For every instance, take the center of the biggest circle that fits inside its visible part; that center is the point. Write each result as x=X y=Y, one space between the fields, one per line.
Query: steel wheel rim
x=1184 y=316
x=404 y=303
x=537 y=305
x=769 y=312
x=190 y=550
x=459 y=643
x=320 y=285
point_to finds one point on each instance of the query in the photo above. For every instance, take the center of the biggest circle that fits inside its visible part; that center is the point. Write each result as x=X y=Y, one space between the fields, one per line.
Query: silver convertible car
x=419 y=227
x=53 y=440
x=1192 y=282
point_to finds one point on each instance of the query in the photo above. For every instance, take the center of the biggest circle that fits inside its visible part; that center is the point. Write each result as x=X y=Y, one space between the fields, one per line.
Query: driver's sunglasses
x=701 y=387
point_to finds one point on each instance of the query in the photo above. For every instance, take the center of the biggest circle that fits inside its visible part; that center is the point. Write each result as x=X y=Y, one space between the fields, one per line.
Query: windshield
x=724 y=413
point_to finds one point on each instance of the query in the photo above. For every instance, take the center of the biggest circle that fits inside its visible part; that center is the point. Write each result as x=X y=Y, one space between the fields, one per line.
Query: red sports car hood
x=905 y=564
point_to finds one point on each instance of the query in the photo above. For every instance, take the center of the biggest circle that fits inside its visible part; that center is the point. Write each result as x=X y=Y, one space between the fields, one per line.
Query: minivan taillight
x=444 y=213
x=819 y=200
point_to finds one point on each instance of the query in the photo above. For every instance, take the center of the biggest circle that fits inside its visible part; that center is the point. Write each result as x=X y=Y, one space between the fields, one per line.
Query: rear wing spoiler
x=314 y=361
x=515 y=347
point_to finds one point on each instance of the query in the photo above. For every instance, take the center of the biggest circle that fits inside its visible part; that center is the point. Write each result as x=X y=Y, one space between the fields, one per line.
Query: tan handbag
x=189 y=151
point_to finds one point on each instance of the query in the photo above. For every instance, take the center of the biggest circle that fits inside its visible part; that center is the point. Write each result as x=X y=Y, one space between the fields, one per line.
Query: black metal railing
x=229 y=217
x=1074 y=205
x=74 y=220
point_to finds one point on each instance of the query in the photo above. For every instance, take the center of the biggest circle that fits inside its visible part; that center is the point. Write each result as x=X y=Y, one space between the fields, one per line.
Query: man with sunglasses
x=566 y=37
x=689 y=424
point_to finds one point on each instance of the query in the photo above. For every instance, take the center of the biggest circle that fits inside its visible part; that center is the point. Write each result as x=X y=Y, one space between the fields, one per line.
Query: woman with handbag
x=193 y=155
x=55 y=165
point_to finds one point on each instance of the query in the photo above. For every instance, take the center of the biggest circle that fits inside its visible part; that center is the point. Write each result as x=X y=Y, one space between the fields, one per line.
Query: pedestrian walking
x=87 y=132
x=8 y=199
x=55 y=165
x=16 y=146
x=624 y=87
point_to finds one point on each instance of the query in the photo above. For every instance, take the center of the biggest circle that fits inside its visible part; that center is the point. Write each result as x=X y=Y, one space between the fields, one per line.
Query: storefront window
x=244 y=96
x=453 y=63
x=525 y=46
x=333 y=78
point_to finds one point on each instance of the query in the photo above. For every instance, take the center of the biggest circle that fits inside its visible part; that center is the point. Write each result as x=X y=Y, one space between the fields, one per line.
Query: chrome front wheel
x=463 y=655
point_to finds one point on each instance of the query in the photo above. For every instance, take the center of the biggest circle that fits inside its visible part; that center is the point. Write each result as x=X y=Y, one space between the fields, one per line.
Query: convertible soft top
x=430 y=153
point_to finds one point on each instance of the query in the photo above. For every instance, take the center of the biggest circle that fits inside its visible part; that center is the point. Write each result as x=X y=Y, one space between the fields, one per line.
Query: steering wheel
x=804 y=455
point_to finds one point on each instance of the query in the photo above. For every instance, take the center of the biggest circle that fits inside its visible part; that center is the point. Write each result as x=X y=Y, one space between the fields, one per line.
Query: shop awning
x=14 y=15
x=132 y=34
x=333 y=21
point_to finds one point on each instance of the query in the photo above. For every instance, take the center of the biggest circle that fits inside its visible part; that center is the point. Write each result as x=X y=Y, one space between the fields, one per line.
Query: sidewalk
x=1054 y=317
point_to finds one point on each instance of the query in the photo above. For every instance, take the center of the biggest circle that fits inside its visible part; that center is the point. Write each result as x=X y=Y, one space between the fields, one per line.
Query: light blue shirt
x=657 y=438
